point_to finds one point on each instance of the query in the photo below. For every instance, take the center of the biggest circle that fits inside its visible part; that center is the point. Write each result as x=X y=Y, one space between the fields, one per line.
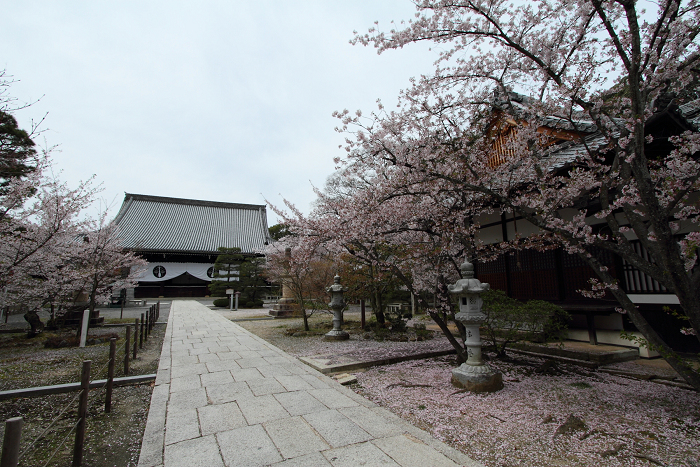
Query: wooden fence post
x=122 y=296
x=150 y=321
x=110 y=373
x=158 y=310
x=136 y=335
x=145 y=333
x=82 y=414
x=10 y=444
x=127 y=349
x=141 y=335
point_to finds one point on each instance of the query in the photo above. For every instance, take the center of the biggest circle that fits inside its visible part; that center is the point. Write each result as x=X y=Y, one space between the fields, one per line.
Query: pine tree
x=16 y=150
x=251 y=283
x=226 y=271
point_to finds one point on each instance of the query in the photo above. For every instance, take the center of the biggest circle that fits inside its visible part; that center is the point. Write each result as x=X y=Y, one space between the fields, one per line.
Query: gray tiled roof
x=523 y=107
x=691 y=112
x=158 y=224
x=566 y=153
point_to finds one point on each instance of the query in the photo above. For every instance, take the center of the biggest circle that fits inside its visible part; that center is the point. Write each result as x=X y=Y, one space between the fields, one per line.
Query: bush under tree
x=509 y=321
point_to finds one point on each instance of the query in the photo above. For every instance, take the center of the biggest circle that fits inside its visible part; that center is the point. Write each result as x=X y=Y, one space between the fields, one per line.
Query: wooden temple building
x=557 y=276
x=180 y=237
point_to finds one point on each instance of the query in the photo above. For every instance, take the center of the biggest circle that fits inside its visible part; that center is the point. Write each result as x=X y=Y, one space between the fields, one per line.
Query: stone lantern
x=473 y=375
x=337 y=304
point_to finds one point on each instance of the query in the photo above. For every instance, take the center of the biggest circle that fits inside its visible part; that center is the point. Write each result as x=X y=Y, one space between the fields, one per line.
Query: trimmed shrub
x=509 y=320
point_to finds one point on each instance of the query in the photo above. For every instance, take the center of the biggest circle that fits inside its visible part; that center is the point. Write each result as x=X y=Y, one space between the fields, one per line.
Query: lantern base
x=284 y=307
x=477 y=378
x=336 y=335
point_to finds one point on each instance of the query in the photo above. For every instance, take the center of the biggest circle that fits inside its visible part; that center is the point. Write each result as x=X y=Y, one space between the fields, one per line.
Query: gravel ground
x=574 y=417
x=570 y=416
x=112 y=439
x=358 y=347
x=623 y=422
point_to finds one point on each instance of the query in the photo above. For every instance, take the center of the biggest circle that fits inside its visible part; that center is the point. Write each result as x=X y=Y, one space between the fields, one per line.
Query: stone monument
x=473 y=375
x=337 y=304
x=286 y=305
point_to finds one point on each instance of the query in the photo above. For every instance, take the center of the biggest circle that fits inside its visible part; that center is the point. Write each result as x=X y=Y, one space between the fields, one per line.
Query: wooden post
x=110 y=374
x=136 y=335
x=82 y=414
x=158 y=310
x=146 y=324
x=84 y=328
x=141 y=334
x=122 y=296
x=590 y=324
x=10 y=444
x=127 y=349
x=362 y=313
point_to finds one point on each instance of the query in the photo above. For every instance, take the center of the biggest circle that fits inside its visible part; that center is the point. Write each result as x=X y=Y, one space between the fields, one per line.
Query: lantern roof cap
x=336 y=287
x=468 y=283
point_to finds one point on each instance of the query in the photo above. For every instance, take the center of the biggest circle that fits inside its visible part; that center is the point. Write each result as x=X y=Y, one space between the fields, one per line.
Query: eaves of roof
x=566 y=153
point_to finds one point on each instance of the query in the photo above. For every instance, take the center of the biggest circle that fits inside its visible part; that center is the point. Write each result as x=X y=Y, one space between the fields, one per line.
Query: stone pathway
x=225 y=397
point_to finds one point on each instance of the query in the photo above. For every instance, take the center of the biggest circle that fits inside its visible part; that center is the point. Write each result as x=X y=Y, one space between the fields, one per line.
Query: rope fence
x=11 y=455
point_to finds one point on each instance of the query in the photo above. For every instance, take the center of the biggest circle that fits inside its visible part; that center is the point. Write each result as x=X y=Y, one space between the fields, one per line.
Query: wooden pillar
x=590 y=323
x=504 y=232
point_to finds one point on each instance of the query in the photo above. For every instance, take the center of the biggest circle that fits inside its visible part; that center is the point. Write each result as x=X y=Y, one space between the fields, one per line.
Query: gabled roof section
x=523 y=107
x=160 y=224
x=691 y=112
x=565 y=154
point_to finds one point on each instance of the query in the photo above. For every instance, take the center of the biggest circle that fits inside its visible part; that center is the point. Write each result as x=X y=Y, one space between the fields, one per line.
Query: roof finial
x=467 y=269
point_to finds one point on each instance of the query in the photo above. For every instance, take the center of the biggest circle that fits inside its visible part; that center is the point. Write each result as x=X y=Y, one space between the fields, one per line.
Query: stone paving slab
x=225 y=397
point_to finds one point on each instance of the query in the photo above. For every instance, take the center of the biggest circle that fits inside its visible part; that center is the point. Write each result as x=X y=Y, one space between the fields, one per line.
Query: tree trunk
x=34 y=322
x=461 y=354
x=306 y=318
x=687 y=372
x=379 y=310
x=373 y=303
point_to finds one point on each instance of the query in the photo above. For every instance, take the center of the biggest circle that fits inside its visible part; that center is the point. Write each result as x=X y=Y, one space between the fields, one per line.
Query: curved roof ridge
x=191 y=202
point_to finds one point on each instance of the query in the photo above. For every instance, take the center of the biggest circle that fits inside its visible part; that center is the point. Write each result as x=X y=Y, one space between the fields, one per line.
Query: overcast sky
x=214 y=100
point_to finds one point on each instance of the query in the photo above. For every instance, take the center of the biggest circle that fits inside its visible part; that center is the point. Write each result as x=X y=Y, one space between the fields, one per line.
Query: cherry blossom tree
x=389 y=235
x=50 y=252
x=51 y=255
x=306 y=272
x=610 y=65
x=101 y=263
x=39 y=221
x=612 y=83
